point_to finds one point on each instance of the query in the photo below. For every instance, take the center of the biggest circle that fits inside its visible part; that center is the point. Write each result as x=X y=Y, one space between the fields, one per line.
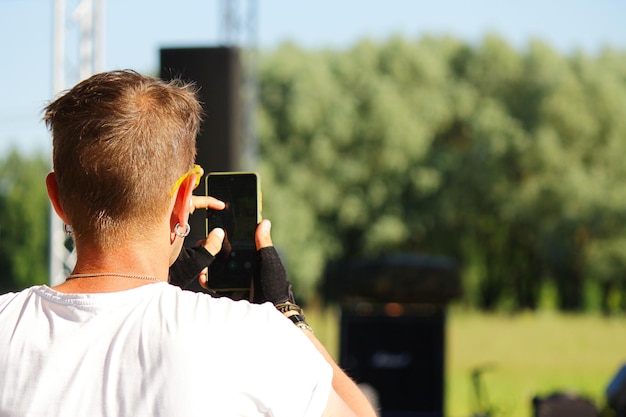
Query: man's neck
x=100 y=270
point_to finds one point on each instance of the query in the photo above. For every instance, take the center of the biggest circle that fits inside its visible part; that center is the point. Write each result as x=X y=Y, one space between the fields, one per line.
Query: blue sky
x=136 y=29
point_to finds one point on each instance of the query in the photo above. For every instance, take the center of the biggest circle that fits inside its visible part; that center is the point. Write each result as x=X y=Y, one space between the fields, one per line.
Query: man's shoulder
x=7 y=298
x=16 y=295
x=195 y=302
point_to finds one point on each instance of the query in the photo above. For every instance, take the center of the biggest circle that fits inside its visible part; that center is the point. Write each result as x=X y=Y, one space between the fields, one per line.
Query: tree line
x=507 y=160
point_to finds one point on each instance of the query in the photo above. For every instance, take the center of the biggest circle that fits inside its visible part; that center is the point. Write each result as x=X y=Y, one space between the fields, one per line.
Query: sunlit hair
x=120 y=141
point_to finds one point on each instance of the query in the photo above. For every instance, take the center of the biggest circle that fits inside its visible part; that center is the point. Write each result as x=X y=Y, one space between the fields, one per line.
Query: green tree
x=507 y=160
x=24 y=217
x=341 y=147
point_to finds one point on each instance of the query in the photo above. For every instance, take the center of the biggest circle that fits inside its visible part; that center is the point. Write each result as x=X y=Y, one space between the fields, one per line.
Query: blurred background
x=487 y=137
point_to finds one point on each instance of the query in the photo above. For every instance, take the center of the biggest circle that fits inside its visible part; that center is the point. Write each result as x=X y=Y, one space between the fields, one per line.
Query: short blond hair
x=120 y=141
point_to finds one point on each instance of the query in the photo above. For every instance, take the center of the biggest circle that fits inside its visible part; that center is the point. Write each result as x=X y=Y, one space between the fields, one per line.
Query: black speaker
x=217 y=72
x=400 y=359
x=397 y=277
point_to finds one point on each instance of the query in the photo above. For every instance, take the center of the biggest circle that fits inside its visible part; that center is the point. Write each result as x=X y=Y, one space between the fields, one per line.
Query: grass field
x=525 y=355
x=531 y=354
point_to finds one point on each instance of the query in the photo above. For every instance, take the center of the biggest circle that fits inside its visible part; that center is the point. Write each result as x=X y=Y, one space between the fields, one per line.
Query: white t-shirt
x=154 y=351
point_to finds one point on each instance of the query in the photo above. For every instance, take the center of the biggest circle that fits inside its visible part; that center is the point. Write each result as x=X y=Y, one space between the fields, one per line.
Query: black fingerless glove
x=188 y=265
x=271 y=284
x=270 y=281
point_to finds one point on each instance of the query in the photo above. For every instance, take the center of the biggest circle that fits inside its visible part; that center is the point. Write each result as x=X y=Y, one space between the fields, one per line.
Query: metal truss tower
x=79 y=28
x=239 y=28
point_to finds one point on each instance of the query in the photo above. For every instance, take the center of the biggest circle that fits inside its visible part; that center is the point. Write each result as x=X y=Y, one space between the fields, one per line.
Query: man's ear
x=183 y=201
x=53 y=194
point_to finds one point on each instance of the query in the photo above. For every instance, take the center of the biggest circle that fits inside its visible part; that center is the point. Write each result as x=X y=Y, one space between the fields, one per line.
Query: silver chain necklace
x=111 y=274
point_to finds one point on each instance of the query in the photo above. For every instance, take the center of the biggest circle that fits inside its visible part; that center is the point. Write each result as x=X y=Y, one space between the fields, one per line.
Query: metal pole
x=99 y=18
x=57 y=248
x=251 y=148
x=89 y=14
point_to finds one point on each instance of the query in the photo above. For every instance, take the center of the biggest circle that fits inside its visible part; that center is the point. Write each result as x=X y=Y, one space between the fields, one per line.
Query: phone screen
x=235 y=264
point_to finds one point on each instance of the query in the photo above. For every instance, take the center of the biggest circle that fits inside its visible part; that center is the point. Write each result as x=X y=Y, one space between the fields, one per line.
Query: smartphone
x=234 y=266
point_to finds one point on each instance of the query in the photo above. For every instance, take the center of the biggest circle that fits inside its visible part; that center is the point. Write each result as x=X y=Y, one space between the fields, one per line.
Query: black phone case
x=235 y=265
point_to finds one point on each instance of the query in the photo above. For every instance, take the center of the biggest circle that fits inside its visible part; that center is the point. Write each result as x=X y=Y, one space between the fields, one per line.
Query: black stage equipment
x=217 y=72
x=392 y=342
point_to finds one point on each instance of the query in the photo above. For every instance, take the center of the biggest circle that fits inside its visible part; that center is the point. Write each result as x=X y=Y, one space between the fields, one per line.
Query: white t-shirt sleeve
x=300 y=373
x=264 y=361
x=288 y=373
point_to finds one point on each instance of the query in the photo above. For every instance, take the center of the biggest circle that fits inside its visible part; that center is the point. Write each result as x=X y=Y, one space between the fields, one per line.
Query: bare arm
x=346 y=398
x=350 y=399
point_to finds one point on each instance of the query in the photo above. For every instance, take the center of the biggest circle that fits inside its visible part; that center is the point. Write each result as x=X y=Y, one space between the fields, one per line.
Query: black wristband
x=297 y=318
x=300 y=322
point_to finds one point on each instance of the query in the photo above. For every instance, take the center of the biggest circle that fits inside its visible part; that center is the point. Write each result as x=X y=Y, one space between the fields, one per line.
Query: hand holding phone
x=235 y=264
